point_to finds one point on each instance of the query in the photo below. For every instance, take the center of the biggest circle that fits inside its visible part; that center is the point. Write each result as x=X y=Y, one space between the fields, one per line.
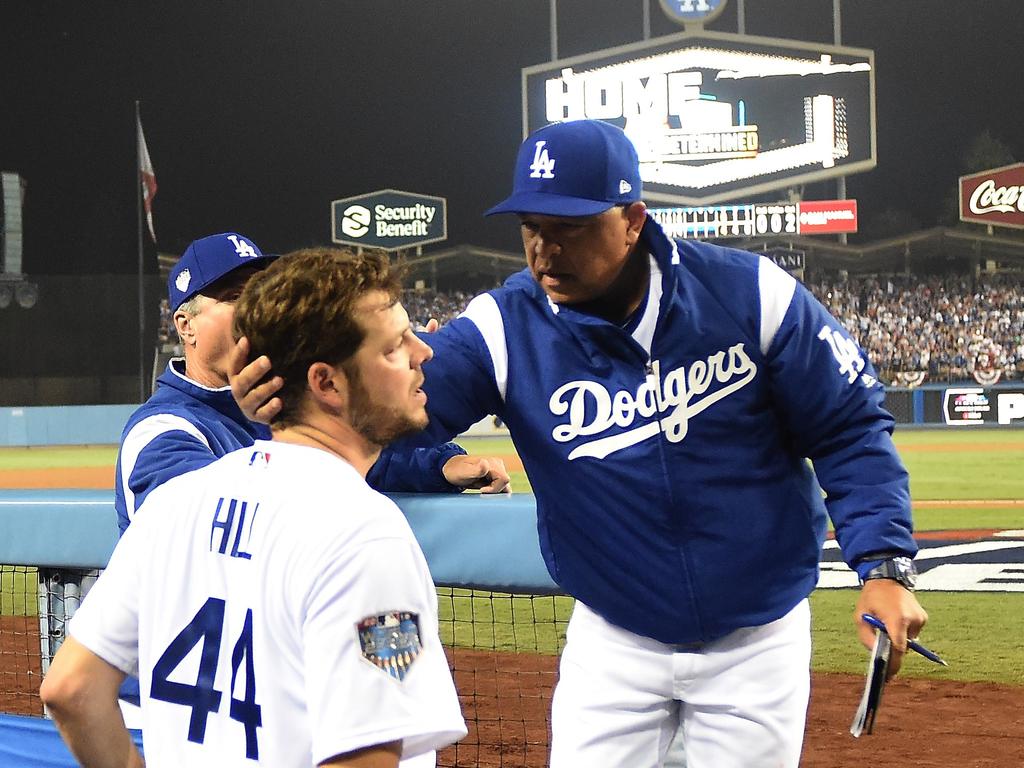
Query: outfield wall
x=958 y=406
x=67 y=425
x=932 y=405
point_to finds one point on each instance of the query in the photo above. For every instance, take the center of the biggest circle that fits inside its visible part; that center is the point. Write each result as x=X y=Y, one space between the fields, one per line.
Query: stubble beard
x=380 y=424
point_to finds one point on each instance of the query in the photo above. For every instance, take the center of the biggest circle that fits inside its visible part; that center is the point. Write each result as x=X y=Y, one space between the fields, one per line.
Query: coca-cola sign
x=995 y=196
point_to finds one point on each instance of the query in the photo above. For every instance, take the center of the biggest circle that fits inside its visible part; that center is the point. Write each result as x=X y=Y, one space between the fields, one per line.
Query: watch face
x=906 y=572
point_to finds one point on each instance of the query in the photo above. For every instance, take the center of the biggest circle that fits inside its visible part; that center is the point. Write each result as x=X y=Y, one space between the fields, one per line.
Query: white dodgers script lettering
x=680 y=395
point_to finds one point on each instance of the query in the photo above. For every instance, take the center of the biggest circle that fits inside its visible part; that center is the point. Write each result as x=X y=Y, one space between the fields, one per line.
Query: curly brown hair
x=301 y=310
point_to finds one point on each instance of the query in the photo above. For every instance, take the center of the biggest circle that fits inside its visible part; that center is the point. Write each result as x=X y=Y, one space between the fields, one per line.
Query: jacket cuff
x=445 y=452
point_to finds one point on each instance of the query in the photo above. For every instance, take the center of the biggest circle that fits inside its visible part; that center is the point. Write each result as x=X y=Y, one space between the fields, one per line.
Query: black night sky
x=258 y=114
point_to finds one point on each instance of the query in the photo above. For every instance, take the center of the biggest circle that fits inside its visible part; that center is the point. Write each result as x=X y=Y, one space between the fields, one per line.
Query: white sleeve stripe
x=141 y=435
x=483 y=311
x=777 y=288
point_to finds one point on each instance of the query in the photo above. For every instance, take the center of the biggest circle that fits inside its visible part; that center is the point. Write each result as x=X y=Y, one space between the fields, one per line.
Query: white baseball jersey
x=277 y=612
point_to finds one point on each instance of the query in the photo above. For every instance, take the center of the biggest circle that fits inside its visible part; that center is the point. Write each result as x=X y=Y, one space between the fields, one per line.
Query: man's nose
x=544 y=246
x=422 y=353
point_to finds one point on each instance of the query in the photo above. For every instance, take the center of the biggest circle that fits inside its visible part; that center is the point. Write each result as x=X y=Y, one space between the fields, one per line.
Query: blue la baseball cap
x=576 y=168
x=206 y=261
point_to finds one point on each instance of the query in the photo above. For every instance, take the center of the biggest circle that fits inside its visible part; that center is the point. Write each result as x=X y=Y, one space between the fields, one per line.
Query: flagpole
x=138 y=208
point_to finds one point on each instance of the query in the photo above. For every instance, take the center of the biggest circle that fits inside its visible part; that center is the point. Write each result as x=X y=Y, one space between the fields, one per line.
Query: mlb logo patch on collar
x=391 y=641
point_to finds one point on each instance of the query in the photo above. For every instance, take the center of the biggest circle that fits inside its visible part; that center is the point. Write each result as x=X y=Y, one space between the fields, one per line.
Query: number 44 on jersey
x=207 y=627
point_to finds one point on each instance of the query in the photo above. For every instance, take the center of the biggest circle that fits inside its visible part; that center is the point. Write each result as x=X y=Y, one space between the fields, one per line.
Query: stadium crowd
x=915 y=328
x=422 y=305
x=948 y=328
x=167 y=336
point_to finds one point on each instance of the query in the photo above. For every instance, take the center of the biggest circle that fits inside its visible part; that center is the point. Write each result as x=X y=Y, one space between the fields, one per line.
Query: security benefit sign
x=389 y=219
x=716 y=116
x=994 y=197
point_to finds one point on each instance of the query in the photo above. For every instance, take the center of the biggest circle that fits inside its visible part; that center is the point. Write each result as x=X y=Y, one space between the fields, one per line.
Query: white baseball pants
x=741 y=701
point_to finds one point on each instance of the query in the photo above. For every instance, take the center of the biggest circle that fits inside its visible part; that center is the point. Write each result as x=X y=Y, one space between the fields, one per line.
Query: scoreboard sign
x=716 y=116
x=811 y=217
x=994 y=197
x=389 y=219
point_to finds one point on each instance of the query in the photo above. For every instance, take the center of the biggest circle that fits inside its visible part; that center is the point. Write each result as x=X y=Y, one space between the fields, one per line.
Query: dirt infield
x=64 y=477
x=506 y=699
x=20 y=674
x=923 y=723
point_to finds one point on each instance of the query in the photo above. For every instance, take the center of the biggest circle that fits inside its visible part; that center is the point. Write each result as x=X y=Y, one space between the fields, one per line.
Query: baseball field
x=968 y=494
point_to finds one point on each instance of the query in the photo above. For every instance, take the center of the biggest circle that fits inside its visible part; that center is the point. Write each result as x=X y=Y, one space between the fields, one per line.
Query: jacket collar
x=219 y=398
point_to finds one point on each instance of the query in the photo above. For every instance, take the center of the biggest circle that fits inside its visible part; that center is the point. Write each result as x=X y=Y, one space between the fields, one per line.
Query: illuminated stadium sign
x=716 y=116
x=389 y=219
x=810 y=217
x=995 y=196
x=692 y=11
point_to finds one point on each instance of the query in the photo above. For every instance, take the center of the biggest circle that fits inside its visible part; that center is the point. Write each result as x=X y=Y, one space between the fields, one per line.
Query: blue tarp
x=32 y=742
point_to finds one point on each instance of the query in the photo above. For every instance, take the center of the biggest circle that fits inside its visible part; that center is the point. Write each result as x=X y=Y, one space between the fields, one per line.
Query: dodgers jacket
x=668 y=461
x=185 y=426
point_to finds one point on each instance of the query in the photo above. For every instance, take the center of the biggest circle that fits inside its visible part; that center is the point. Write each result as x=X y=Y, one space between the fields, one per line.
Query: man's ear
x=636 y=215
x=183 y=325
x=328 y=385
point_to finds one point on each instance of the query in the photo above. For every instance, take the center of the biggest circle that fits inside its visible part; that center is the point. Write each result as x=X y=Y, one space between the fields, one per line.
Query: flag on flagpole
x=146 y=177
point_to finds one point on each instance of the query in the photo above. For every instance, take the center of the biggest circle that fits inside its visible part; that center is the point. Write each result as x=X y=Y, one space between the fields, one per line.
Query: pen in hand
x=912 y=644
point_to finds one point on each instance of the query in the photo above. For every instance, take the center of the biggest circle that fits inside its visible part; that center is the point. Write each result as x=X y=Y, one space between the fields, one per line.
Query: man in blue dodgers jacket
x=663 y=397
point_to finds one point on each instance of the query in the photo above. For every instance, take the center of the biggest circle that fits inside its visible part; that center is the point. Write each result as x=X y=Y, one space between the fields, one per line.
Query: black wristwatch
x=899 y=569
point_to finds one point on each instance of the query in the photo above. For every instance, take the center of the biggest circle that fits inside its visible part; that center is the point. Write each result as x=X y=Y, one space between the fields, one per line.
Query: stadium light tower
x=12 y=282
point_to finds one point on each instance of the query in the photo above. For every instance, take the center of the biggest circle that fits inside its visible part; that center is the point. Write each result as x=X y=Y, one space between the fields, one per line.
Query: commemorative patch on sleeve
x=391 y=641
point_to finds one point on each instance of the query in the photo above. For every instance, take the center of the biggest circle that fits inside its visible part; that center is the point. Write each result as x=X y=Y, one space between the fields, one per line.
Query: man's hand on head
x=254 y=395
x=486 y=474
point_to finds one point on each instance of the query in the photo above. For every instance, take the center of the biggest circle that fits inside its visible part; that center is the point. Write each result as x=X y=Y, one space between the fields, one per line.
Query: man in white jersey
x=283 y=615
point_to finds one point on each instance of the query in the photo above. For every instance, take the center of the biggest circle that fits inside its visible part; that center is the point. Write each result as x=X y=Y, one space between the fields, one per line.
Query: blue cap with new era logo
x=576 y=168
x=206 y=261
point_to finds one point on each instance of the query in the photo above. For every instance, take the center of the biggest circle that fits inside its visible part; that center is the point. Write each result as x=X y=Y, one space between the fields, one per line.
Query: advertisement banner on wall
x=827 y=217
x=995 y=197
x=973 y=406
x=717 y=116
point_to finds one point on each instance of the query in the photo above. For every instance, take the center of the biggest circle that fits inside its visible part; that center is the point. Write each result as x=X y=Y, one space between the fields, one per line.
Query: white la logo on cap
x=242 y=248
x=182 y=280
x=543 y=167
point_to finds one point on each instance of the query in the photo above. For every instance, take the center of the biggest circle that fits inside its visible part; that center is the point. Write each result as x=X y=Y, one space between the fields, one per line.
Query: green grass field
x=980 y=634
x=55 y=457
x=18 y=591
